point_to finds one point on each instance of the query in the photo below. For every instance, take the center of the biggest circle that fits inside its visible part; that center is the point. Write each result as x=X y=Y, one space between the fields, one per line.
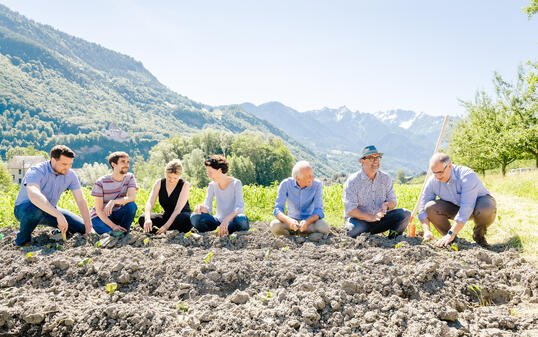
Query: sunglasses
x=373 y=158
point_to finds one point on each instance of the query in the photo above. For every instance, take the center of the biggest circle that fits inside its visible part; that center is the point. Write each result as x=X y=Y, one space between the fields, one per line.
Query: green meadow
x=517 y=214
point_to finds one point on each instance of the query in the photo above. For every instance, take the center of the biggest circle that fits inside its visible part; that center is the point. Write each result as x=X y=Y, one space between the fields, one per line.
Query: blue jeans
x=205 y=222
x=395 y=219
x=29 y=215
x=123 y=217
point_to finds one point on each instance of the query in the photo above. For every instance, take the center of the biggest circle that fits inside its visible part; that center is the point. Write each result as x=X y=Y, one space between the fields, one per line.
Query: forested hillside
x=56 y=88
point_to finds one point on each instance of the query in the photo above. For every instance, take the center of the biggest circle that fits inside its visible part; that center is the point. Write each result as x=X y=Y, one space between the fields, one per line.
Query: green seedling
x=59 y=247
x=398 y=245
x=97 y=244
x=252 y=229
x=111 y=288
x=286 y=248
x=233 y=237
x=30 y=256
x=477 y=291
x=85 y=262
x=266 y=298
x=155 y=228
x=186 y=235
x=217 y=230
x=182 y=306
x=454 y=247
x=268 y=253
x=146 y=241
x=1 y=236
x=208 y=257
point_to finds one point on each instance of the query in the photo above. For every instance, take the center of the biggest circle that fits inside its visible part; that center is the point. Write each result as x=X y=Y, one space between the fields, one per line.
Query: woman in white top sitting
x=228 y=191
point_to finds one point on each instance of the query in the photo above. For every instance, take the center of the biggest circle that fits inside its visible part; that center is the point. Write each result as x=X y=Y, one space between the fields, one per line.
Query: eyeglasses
x=440 y=172
x=373 y=158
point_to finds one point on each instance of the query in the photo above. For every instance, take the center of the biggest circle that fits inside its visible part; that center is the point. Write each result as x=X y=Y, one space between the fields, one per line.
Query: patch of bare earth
x=254 y=284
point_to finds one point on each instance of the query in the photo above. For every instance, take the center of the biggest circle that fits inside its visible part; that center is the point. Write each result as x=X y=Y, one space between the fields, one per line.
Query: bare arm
x=151 y=200
x=83 y=208
x=37 y=198
x=356 y=213
x=288 y=220
x=101 y=214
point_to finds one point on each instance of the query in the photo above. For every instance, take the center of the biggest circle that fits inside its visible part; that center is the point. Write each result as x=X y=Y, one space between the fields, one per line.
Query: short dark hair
x=115 y=156
x=61 y=150
x=217 y=161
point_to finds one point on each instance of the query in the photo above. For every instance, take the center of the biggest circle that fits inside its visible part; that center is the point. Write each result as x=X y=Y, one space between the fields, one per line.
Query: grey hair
x=440 y=158
x=296 y=171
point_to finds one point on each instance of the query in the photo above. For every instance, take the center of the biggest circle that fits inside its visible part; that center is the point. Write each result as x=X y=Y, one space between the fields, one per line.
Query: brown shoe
x=479 y=235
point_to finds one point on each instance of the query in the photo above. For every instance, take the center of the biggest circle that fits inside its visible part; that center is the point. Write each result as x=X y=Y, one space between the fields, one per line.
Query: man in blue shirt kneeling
x=304 y=195
x=455 y=192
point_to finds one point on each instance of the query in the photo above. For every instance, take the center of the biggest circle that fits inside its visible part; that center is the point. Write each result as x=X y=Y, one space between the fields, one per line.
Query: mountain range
x=57 y=88
x=405 y=137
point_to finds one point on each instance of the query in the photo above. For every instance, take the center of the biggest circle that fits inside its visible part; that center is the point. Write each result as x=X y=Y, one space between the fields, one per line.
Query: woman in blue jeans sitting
x=228 y=192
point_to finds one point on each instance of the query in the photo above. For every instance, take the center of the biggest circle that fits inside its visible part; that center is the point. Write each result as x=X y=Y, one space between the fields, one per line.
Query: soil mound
x=253 y=284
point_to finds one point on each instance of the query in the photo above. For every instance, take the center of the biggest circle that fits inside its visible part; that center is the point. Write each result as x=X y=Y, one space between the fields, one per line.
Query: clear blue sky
x=371 y=55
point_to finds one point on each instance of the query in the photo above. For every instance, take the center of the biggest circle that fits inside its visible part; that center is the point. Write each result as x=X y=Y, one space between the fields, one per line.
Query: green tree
x=5 y=178
x=488 y=128
x=194 y=168
x=532 y=8
x=242 y=169
x=400 y=177
x=24 y=151
x=89 y=173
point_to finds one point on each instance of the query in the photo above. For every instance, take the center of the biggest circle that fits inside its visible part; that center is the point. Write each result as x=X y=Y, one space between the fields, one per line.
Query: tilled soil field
x=253 y=284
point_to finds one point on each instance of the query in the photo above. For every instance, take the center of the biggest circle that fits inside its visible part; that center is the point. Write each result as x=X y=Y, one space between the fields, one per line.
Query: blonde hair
x=175 y=167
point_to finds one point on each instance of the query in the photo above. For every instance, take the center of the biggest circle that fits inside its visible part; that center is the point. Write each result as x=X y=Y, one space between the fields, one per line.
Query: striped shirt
x=366 y=194
x=109 y=189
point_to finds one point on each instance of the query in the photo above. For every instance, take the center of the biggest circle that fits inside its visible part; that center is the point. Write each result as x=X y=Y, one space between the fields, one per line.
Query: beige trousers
x=280 y=228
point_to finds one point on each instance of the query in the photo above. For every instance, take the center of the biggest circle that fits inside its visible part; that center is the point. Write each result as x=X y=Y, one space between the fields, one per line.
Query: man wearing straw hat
x=370 y=200
x=461 y=197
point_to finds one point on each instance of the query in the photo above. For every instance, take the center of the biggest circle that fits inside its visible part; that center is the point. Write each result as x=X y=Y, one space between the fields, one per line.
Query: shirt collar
x=297 y=185
x=49 y=168
x=363 y=176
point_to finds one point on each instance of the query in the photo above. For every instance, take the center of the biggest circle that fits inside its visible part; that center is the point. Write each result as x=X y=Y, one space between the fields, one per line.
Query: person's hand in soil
x=294 y=224
x=163 y=229
x=223 y=228
x=118 y=228
x=148 y=225
x=303 y=226
x=445 y=240
x=62 y=223
x=428 y=235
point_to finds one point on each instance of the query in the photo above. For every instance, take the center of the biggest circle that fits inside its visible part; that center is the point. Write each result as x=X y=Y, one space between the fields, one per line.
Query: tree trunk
x=503 y=167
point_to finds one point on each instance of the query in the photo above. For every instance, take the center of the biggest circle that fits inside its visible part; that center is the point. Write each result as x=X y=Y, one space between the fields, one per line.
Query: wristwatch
x=450 y=232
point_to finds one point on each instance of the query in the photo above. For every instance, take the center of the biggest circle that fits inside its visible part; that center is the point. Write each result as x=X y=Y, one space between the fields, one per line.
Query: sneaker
x=27 y=244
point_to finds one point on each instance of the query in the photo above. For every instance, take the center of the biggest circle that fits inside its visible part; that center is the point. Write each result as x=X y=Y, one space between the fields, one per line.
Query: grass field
x=515 y=227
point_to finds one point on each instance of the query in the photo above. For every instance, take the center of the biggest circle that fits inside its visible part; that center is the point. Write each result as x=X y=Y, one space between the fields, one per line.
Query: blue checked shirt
x=366 y=194
x=462 y=189
x=302 y=202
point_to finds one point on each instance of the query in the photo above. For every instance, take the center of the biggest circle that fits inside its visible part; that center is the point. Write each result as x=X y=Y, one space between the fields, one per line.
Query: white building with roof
x=20 y=164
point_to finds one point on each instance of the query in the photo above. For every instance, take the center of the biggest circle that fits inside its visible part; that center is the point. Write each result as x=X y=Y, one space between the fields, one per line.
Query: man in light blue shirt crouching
x=304 y=195
x=455 y=192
